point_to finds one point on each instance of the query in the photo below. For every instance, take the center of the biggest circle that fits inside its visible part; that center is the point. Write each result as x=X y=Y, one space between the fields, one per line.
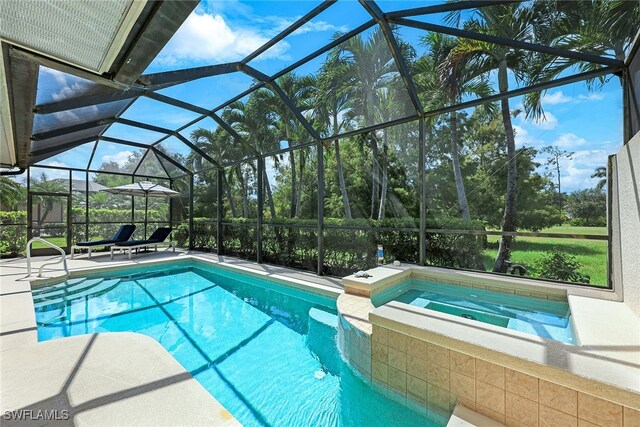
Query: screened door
x=49 y=218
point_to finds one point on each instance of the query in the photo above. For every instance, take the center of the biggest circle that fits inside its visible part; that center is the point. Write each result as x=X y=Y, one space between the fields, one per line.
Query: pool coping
x=18 y=336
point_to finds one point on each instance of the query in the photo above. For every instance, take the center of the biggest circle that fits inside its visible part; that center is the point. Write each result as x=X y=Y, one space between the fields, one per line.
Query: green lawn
x=58 y=241
x=592 y=254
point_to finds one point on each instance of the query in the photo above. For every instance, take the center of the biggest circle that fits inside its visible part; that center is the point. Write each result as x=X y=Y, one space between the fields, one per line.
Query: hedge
x=293 y=243
x=349 y=245
x=13 y=238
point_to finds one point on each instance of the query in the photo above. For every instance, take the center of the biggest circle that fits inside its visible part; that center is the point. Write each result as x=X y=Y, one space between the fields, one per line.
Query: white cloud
x=555 y=98
x=120 y=157
x=594 y=96
x=210 y=38
x=524 y=139
x=53 y=173
x=547 y=122
x=569 y=141
x=559 y=97
x=576 y=172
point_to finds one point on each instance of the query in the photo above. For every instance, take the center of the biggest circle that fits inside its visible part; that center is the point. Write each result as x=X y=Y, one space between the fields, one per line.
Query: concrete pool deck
x=129 y=379
x=107 y=378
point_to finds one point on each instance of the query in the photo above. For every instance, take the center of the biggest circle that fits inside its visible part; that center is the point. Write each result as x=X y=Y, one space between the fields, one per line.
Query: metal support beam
x=44 y=153
x=159 y=153
x=70 y=129
x=87 y=101
x=196 y=149
x=141 y=125
x=171 y=78
x=525 y=90
x=290 y=29
x=219 y=107
x=447 y=7
x=170 y=133
x=144 y=156
x=86 y=206
x=261 y=172
x=423 y=196
x=175 y=102
x=378 y=15
x=220 y=212
x=516 y=44
x=320 y=231
x=336 y=42
x=191 y=193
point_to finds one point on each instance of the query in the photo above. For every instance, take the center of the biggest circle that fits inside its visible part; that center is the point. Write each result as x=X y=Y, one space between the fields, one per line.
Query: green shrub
x=557 y=265
x=13 y=238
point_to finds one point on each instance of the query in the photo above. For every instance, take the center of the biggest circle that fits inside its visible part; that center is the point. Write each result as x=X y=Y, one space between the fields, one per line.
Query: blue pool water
x=266 y=352
x=541 y=317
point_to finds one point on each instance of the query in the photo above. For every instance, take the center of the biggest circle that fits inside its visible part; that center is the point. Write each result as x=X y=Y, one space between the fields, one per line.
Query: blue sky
x=588 y=124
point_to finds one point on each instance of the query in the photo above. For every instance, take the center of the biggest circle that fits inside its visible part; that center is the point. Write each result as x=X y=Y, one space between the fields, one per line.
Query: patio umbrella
x=146 y=189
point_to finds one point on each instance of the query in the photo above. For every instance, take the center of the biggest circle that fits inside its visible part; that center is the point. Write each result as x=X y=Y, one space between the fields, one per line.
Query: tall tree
x=212 y=143
x=369 y=66
x=331 y=106
x=445 y=83
x=555 y=156
x=300 y=91
x=254 y=126
x=512 y=21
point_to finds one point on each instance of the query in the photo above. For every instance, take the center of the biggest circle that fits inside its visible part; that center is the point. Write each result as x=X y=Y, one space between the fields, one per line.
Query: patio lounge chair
x=157 y=238
x=122 y=235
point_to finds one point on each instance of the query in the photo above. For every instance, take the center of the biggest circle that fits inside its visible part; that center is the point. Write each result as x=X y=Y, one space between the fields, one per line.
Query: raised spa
x=542 y=317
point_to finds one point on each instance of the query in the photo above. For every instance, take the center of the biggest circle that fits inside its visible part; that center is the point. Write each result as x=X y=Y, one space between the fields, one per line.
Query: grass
x=591 y=254
x=58 y=241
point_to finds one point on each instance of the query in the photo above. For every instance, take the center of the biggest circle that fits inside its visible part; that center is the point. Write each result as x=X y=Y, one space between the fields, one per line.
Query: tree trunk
x=385 y=176
x=509 y=218
x=341 y=181
x=300 y=182
x=267 y=186
x=375 y=194
x=292 y=165
x=227 y=189
x=243 y=188
x=457 y=172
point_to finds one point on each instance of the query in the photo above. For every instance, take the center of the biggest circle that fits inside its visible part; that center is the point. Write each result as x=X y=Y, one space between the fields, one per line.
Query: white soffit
x=7 y=147
x=87 y=34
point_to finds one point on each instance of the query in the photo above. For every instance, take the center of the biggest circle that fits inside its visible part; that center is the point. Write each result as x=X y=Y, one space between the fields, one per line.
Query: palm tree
x=211 y=142
x=512 y=21
x=444 y=85
x=255 y=127
x=12 y=194
x=300 y=92
x=46 y=185
x=601 y=173
x=331 y=102
x=600 y=27
x=369 y=66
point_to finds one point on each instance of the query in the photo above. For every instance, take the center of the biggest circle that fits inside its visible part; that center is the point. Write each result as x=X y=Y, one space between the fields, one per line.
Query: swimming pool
x=544 y=318
x=265 y=351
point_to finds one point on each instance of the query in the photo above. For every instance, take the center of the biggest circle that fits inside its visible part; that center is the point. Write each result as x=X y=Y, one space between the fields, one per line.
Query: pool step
x=94 y=289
